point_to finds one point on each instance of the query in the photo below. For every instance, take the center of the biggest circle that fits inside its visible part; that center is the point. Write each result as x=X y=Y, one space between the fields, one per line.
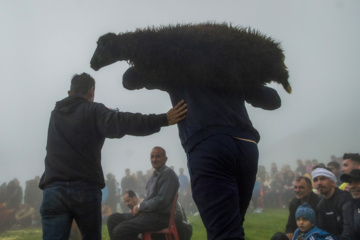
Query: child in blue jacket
x=305 y=220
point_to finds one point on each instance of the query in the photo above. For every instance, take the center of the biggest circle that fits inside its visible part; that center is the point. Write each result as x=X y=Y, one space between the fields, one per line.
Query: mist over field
x=44 y=43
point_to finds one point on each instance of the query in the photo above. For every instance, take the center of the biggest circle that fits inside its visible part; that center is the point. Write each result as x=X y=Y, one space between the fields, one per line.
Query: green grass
x=258 y=226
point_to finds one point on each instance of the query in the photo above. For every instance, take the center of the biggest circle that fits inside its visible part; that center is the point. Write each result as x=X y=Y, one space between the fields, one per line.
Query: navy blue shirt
x=211 y=112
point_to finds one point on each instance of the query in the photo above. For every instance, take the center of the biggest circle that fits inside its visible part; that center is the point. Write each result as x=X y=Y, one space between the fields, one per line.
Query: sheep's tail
x=287 y=87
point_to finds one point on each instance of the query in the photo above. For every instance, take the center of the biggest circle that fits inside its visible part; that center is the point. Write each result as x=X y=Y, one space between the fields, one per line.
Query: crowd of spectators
x=20 y=208
x=274 y=187
x=328 y=200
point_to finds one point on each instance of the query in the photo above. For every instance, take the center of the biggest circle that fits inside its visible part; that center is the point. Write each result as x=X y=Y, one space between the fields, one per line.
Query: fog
x=44 y=43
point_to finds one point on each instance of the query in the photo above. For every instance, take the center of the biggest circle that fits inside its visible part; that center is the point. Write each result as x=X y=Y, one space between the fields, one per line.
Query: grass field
x=258 y=226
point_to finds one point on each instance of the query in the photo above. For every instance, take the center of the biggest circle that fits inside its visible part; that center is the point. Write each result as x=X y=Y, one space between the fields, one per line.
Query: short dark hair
x=334 y=164
x=307 y=180
x=131 y=193
x=352 y=156
x=81 y=84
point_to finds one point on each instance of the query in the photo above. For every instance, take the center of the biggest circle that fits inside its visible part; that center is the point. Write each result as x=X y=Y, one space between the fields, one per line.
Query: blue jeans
x=223 y=172
x=64 y=201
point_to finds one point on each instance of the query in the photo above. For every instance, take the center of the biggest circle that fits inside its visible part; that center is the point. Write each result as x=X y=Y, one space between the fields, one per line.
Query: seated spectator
x=182 y=225
x=3 y=193
x=308 y=166
x=261 y=173
x=330 y=213
x=112 y=186
x=127 y=182
x=273 y=171
x=6 y=218
x=351 y=161
x=335 y=168
x=277 y=188
x=305 y=220
x=257 y=196
x=14 y=194
x=351 y=209
x=189 y=204
x=105 y=212
x=184 y=184
x=314 y=163
x=301 y=168
x=266 y=186
x=303 y=194
x=160 y=192
x=288 y=191
x=24 y=215
x=33 y=196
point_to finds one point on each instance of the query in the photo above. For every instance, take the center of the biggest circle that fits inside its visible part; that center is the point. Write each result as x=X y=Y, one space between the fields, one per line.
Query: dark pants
x=223 y=172
x=123 y=226
x=63 y=202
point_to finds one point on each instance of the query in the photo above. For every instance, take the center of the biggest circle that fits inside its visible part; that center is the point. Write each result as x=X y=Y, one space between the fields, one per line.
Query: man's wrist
x=138 y=207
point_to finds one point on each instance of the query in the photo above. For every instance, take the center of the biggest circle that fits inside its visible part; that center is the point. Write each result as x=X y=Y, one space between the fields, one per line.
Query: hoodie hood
x=68 y=105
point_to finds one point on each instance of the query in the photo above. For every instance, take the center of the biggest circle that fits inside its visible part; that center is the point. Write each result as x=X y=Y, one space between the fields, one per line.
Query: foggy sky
x=44 y=43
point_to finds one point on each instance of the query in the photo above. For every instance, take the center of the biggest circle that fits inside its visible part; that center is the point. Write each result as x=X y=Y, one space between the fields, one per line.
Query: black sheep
x=213 y=55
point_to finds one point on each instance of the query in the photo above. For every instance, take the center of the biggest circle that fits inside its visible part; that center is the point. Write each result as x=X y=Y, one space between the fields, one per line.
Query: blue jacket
x=315 y=234
x=212 y=112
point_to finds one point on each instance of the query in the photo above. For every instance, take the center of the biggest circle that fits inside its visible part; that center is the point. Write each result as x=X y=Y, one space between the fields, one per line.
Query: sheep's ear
x=107 y=40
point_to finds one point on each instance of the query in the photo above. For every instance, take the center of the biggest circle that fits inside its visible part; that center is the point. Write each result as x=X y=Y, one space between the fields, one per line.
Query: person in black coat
x=330 y=213
x=351 y=209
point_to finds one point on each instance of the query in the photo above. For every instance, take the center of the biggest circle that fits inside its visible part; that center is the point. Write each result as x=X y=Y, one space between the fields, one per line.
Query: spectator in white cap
x=330 y=215
x=351 y=209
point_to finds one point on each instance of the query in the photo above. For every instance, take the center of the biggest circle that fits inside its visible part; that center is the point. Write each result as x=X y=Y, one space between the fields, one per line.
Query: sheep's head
x=106 y=52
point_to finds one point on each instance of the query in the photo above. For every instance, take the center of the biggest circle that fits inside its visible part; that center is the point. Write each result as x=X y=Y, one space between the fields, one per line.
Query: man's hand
x=135 y=210
x=289 y=235
x=177 y=113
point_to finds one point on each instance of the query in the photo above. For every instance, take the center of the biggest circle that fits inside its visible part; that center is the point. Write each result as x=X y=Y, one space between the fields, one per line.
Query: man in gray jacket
x=153 y=213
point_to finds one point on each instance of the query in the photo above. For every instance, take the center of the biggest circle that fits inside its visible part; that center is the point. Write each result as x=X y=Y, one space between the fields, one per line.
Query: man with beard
x=350 y=161
x=303 y=193
x=131 y=200
x=352 y=208
x=330 y=214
